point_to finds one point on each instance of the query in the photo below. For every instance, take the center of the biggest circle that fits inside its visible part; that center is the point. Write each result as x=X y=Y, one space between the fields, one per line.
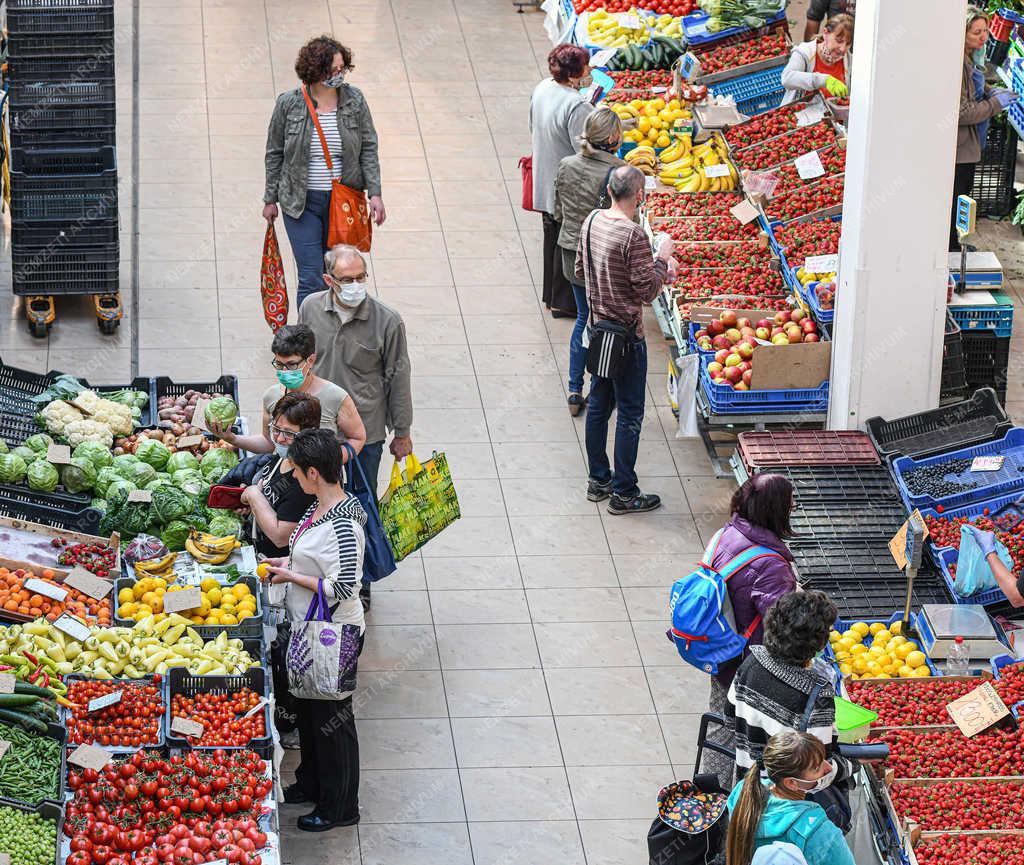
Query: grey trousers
x=711 y=761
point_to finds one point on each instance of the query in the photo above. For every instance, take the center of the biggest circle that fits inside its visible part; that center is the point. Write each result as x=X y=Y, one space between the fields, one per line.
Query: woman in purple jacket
x=760 y=517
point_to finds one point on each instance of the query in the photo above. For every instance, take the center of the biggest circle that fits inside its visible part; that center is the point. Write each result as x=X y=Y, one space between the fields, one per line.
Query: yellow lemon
x=842 y=655
x=204 y=607
x=903 y=649
x=881 y=638
x=845 y=643
x=138 y=617
x=859 y=649
x=159 y=617
x=125 y=596
x=652 y=136
x=663 y=140
x=861 y=628
x=213 y=618
x=916 y=659
x=151 y=598
x=208 y=583
x=263 y=569
x=906 y=672
x=834 y=636
x=921 y=673
x=859 y=664
x=227 y=619
x=875 y=627
x=214 y=596
x=851 y=635
x=240 y=590
x=883 y=675
x=874 y=668
x=658 y=103
x=896 y=628
x=198 y=620
x=643 y=124
x=846 y=669
x=126 y=611
x=896 y=640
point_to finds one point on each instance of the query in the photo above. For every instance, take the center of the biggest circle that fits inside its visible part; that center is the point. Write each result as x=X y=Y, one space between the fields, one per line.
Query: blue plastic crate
x=975 y=509
x=1008 y=479
x=809 y=294
x=998 y=318
x=722 y=399
x=987 y=598
x=695 y=29
x=760 y=104
x=752 y=86
x=772 y=225
x=691 y=340
x=999 y=661
x=1017 y=75
x=1015 y=114
x=844 y=624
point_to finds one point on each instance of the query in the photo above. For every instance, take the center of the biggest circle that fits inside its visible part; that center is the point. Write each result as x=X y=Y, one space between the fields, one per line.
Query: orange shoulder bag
x=349 y=220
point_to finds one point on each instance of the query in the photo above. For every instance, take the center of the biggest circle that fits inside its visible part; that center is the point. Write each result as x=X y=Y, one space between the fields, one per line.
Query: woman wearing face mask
x=823 y=64
x=581 y=186
x=557 y=114
x=769 y=805
x=294 y=349
x=783 y=685
x=979 y=103
x=297 y=176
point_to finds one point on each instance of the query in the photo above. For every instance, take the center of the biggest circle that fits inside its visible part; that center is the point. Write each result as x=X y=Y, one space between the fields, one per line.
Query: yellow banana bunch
x=643 y=157
x=163 y=566
x=680 y=148
x=209 y=549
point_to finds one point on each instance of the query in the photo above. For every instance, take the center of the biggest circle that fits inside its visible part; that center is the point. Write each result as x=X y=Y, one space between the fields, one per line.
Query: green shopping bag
x=419 y=503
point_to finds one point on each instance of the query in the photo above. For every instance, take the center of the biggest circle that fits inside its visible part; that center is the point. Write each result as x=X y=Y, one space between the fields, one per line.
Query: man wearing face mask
x=298 y=176
x=361 y=346
x=782 y=685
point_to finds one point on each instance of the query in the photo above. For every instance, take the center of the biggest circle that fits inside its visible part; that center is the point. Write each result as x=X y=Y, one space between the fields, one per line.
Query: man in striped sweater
x=615 y=260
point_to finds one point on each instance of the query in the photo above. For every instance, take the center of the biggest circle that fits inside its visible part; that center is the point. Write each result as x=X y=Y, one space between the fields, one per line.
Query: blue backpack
x=703 y=624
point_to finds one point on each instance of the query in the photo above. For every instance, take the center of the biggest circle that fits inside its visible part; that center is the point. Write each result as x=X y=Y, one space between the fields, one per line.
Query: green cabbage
x=104 y=477
x=117 y=488
x=181 y=460
x=42 y=476
x=3 y=447
x=39 y=443
x=217 y=462
x=224 y=523
x=124 y=465
x=170 y=503
x=78 y=475
x=159 y=481
x=140 y=474
x=175 y=534
x=12 y=468
x=96 y=453
x=99 y=504
x=154 y=452
x=223 y=410
x=27 y=454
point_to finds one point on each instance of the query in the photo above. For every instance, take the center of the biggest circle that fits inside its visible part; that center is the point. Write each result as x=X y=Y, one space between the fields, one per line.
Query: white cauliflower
x=58 y=415
x=79 y=431
x=116 y=416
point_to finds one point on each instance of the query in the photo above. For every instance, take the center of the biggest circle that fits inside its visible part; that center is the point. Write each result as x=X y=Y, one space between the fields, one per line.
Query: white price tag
x=809 y=165
x=186 y=599
x=5 y=858
x=73 y=627
x=257 y=708
x=744 y=212
x=986 y=464
x=144 y=496
x=810 y=115
x=199 y=414
x=4 y=745
x=87 y=582
x=602 y=57
x=821 y=263
x=650 y=183
x=659 y=89
x=46 y=589
x=59 y=455
x=188 y=442
x=89 y=757
x=7 y=681
x=104 y=701
x=186 y=727
x=630 y=21
x=720 y=170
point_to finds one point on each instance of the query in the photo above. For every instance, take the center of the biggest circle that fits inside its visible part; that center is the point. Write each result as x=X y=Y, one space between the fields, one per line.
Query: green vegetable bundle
x=30 y=770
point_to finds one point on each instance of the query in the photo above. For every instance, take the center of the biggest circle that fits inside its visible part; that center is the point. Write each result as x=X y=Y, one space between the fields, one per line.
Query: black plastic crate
x=63 y=119
x=147 y=415
x=53 y=731
x=27 y=94
x=86 y=521
x=953 y=386
x=845 y=559
x=180 y=681
x=818 y=520
x=63 y=197
x=876 y=599
x=986 y=358
x=67 y=270
x=40 y=161
x=55 y=68
x=978 y=419
x=101 y=136
x=18 y=386
x=994 y=174
x=77 y=47
x=53 y=235
x=60 y=498
x=59 y=16
x=840 y=483
x=226 y=384
x=49 y=810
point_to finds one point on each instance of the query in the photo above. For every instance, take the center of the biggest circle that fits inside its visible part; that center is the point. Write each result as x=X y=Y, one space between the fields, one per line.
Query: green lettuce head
x=26 y=453
x=175 y=534
x=224 y=523
x=42 y=476
x=181 y=460
x=39 y=443
x=216 y=463
x=154 y=452
x=170 y=503
x=223 y=410
x=78 y=475
x=12 y=469
x=94 y=452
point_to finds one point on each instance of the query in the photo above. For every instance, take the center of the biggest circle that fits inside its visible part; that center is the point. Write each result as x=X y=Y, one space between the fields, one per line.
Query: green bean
x=27 y=838
x=29 y=771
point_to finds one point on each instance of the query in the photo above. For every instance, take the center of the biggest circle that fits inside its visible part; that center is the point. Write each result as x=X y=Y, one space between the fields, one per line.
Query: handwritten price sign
x=977 y=710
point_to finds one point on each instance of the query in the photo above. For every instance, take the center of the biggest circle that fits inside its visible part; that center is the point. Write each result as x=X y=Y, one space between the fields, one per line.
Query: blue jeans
x=626 y=393
x=369 y=458
x=577 y=353
x=308 y=237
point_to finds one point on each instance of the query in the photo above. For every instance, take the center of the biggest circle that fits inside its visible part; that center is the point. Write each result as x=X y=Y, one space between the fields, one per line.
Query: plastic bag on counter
x=973 y=573
x=144 y=547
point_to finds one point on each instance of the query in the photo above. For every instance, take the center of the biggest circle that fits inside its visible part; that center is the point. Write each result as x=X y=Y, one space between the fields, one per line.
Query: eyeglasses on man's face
x=290 y=365
x=286 y=435
x=346 y=280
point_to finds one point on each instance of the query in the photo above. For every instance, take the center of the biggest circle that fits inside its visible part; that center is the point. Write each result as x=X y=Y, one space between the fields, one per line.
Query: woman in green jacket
x=297 y=177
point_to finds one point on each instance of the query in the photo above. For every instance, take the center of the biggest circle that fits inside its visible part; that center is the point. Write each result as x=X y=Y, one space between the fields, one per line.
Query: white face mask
x=336 y=80
x=351 y=294
x=823 y=782
x=281 y=450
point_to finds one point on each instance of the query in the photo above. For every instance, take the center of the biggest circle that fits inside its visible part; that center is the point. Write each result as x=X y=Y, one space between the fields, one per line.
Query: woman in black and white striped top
x=325 y=549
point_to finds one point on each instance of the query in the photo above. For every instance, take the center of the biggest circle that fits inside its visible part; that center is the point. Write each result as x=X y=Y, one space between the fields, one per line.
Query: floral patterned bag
x=272 y=287
x=322 y=655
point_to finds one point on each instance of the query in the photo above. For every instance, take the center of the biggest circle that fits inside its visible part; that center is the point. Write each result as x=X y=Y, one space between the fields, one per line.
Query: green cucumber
x=13 y=701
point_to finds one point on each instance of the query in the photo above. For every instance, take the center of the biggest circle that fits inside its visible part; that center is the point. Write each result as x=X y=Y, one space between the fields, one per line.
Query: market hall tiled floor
x=518 y=700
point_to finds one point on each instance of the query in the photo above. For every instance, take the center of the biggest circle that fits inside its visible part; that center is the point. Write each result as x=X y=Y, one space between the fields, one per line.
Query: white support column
x=890 y=306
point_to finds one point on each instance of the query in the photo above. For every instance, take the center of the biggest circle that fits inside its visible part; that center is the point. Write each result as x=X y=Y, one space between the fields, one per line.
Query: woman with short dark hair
x=297 y=174
x=557 y=116
x=760 y=517
x=325 y=563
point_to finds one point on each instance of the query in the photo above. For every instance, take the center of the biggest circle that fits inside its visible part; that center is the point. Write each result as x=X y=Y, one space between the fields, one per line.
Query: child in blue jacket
x=762 y=811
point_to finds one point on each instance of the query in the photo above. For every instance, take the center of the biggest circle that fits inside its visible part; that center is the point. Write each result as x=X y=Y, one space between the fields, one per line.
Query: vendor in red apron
x=822 y=65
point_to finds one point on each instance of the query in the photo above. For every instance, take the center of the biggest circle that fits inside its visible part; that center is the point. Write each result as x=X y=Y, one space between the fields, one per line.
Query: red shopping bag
x=272 y=288
x=526 y=169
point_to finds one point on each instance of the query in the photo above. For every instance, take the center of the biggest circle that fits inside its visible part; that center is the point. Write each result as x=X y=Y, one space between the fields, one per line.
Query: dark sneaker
x=364 y=596
x=294 y=795
x=640 y=504
x=577 y=402
x=598 y=492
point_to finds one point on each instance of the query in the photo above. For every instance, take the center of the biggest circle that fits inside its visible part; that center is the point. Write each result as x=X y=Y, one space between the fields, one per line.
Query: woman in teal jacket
x=762 y=811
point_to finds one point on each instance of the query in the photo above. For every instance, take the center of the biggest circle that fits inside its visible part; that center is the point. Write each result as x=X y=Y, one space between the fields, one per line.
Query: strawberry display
x=778 y=121
x=713 y=228
x=961 y=804
x=817 y=196
x=945 y=532
x=903 y=703
x=802 y=239
x=622 y=96
x=971 y=850
x=698 y=284
x=730 y=254
x=661 y=7
x=692 y=204
x=628 y=80
x=751 y=51
x=733 y=302
x=833 y=160
x=789 y=146
x=946 y=753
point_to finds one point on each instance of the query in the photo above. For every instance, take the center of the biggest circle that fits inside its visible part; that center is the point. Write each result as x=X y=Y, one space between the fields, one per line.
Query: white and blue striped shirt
x=319 y=176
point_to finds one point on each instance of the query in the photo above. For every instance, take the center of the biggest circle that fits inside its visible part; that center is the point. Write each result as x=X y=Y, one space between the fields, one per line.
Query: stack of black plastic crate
x=63 y=163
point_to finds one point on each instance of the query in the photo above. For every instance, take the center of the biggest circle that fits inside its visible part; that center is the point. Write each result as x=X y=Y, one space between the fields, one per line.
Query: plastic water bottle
x=959 y=658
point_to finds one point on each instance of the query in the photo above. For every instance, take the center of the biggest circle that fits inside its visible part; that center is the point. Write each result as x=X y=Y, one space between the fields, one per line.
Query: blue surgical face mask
x=336 y=80
x=291 y=378
x=978 y=57
x=281 y=450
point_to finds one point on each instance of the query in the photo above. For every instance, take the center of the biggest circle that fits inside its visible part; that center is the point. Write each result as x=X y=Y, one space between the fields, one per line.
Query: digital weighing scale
x=940 y=624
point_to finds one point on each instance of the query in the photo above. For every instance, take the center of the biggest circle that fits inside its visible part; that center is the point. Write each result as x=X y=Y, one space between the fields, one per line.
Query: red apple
x=714 y=368
x=795 y=337
x=741 y=385
x=809 y=326
x=811 y=337
x=721 y=355
x=776 y=331
x=705 y=344
x=733 y=360
x=745 y=366
x=745 y=350
x=763 y=333
x=764 y=322
x=700 y=334
x=721 y=341
x=796 y=315
x=733 y=335
x=728 y=317
x=748 y=333
x=742 y=323
x=781 y=318
x=733 y=374
x=780 y=339
x=715 y=328
x=747 y=376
